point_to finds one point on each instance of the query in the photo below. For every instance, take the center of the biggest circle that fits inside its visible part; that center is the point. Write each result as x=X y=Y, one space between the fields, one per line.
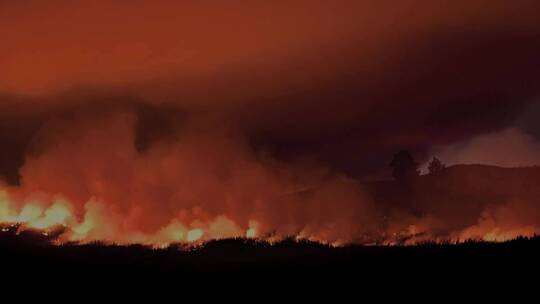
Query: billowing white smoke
x=510 y=148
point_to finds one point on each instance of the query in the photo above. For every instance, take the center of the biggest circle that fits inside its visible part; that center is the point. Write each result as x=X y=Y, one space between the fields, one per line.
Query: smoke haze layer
x=156 y=119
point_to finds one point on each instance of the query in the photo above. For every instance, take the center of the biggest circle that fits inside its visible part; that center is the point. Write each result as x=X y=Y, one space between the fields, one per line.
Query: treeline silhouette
x=455 y=188
x=32 y=252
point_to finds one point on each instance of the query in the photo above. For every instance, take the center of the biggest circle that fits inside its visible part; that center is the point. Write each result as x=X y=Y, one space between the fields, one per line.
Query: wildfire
x=97 y=225
x=251 y=233
x=94 y=225
x=194 y=235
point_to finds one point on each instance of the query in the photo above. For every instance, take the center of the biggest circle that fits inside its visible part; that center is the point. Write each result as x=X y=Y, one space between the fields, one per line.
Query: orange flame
x=93 y=225
x=97 y=225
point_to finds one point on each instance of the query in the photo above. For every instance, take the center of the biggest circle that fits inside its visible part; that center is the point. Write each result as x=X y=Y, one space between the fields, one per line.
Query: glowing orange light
x=251 y=233
x=194 y=235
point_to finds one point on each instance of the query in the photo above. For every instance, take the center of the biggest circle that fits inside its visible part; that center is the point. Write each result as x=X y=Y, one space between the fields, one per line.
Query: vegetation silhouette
x=404 y=167
x=436 y=166
x=288 y=259
x=32 y=251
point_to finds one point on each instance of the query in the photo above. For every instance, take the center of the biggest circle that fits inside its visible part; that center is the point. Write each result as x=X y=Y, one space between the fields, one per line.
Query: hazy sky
x=345 y=83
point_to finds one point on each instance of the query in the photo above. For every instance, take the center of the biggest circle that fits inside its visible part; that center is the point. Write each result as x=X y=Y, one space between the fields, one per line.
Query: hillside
x=463 y=196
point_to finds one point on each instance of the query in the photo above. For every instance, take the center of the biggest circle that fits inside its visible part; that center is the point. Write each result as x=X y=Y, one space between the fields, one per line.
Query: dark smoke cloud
x=345 y=83
x=162 y=117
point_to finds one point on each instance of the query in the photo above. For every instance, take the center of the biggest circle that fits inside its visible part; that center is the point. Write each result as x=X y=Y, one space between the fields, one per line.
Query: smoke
x=510 y=147
x=347 y=82
x=171 y=121
x=207 y=178
x=85 y=172
x=207 y=181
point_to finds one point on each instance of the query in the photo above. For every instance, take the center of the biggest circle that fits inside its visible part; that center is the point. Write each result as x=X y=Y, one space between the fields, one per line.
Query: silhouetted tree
x=436 y=166
x=404 y=167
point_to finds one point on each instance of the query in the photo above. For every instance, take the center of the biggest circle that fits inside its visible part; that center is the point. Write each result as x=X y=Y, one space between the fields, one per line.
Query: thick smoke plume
x=162 y=121
x=507 y=148
x=86 y=173
x=207 y=178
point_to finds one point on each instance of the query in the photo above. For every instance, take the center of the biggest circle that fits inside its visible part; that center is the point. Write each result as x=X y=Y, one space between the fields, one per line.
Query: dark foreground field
x=288 y=260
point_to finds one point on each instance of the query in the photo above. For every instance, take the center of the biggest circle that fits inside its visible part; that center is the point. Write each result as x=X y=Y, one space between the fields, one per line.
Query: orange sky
x=55 y=45
x=189 y=110
x=323 y=78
